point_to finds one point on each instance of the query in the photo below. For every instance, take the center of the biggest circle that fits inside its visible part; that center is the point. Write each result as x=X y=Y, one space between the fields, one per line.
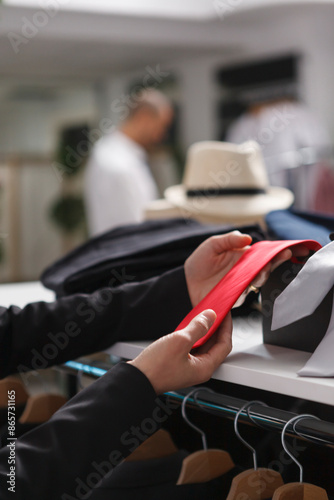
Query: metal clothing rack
x=266 y=417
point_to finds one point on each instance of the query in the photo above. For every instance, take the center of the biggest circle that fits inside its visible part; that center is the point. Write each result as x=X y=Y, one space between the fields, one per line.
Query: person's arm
x=63 y=458
x=120 y=409
x=70 y=454
x=44 y=334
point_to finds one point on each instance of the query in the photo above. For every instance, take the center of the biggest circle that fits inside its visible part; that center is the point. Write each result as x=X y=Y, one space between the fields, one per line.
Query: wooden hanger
x=9 y=384
x=203 y=465
x=301 y=490
x=41 y=407
x=256 y=483
x=157 y=446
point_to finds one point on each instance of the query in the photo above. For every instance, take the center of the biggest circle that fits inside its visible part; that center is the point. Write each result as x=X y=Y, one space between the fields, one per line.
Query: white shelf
x=253 y=364
x=250 y=363
x=20 y=294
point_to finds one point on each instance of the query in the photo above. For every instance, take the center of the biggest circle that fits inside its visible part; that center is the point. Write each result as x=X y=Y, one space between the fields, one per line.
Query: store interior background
x=68 y=65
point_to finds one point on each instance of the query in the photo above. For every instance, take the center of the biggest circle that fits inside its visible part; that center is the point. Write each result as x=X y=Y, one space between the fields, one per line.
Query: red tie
x=224 y=295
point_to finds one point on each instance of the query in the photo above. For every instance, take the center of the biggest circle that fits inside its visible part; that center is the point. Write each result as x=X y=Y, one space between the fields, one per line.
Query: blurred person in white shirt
x=118 y=180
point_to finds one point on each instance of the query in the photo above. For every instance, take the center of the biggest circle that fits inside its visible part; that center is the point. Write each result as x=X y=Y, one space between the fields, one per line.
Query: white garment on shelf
x=118 y=183
x=300 y=299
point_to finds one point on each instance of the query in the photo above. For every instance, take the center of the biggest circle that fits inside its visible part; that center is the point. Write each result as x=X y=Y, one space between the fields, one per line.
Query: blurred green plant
x=73 y=149
x=68 y=213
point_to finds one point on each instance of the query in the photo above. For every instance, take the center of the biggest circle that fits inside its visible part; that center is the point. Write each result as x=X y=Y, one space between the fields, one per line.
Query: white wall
x=310 y=35
x=305 y=32
x=197 y=99
x=31 y=129
x=31 y=126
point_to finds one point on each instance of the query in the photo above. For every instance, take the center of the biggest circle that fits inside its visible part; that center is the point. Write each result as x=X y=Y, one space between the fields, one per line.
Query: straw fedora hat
x=228 y=181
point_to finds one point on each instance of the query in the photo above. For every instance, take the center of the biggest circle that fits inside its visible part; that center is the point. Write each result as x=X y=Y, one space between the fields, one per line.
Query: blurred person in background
x=118 y=180
x=294 y=143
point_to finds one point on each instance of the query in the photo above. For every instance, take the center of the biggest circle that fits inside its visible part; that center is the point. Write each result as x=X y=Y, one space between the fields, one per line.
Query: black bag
x=304 y=334
x=138 y=250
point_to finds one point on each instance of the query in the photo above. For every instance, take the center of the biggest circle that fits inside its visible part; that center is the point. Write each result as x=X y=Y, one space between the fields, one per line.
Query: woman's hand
x=169 y=364
x=217 y=255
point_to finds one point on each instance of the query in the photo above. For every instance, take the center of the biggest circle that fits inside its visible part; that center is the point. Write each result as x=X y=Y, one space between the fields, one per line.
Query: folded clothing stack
x=132 y=253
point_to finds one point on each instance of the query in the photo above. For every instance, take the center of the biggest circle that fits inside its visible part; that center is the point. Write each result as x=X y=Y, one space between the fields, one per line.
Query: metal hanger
x=194 y=393
x=203 y=465
x=301 y=490
x=257 y=483
x=79 y=381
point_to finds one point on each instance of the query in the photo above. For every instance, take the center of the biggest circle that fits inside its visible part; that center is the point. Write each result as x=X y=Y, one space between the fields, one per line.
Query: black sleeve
x=66 y=457
x=44 y=334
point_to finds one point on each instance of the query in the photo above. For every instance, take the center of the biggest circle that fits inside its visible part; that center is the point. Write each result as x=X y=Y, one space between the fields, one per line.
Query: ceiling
x=78 y=44
x=177 y=9
x=173 y=9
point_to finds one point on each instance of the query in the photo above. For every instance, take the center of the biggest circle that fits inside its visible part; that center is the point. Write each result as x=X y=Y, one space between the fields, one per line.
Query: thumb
x=199 y=326
x=230 y=241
